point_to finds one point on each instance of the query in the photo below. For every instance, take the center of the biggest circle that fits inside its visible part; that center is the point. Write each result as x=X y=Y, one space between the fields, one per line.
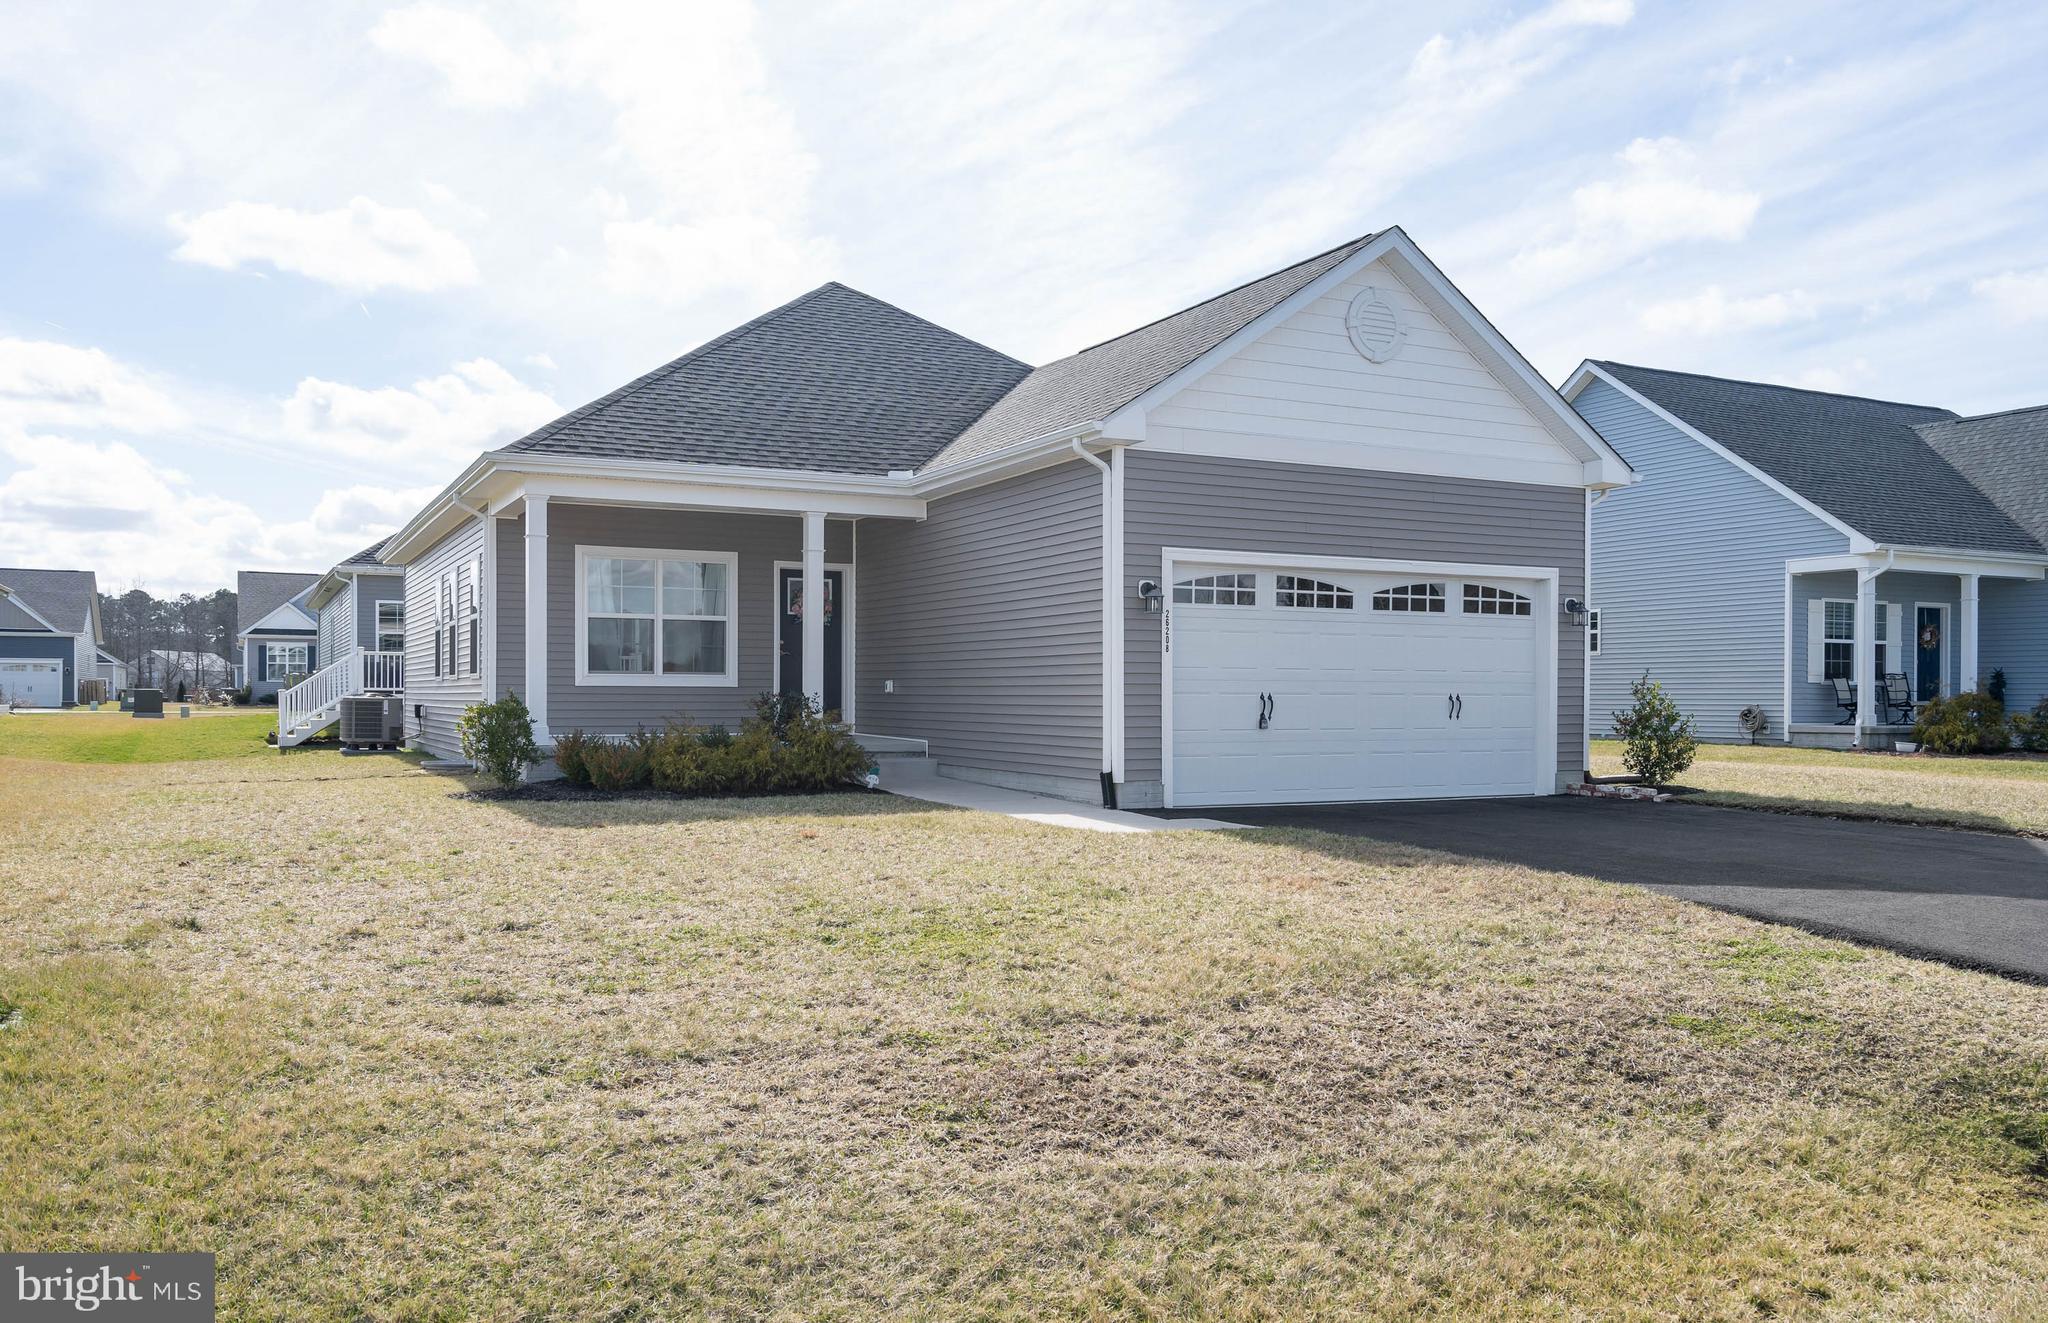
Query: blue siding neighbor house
x=276 y=633
x=1812 y=556
x=49 y=636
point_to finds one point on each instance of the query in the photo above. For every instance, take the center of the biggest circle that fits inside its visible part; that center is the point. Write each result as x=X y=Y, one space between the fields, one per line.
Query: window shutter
x=1895 y=651
x=1816 y=654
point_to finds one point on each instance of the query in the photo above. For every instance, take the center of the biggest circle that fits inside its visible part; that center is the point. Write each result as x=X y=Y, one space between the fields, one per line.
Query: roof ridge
x=916 y=317
x=1776 y=385
x=662 y=371
x=1367 y=237
x=1985 y=417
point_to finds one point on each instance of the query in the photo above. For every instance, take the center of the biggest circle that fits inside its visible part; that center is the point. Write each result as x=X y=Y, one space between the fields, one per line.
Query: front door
x=1928 y=633
x=789 y=635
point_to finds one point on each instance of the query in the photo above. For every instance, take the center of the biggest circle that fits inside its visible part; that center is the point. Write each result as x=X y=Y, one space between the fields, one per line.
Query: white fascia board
x=682 y=493
x=1590 y=371
x=1926 y=560
x=1038 y=452
x=15 y=598
x=284 y=616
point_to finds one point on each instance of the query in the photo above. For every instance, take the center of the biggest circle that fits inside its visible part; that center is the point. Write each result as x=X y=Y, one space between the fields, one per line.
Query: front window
x=1410 y=597
x=391 y=626
x=1593 y=632
x=284 y=659
x=655 y=617
x=1838 y=641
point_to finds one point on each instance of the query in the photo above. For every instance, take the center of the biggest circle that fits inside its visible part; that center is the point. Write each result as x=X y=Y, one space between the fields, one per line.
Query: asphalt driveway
x=1964 y=897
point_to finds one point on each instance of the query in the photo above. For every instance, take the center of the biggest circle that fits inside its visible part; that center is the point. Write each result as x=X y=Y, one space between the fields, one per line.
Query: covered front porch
x=1870 y=637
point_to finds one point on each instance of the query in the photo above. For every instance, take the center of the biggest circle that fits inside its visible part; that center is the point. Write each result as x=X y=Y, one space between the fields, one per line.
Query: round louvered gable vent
x=1375 y=325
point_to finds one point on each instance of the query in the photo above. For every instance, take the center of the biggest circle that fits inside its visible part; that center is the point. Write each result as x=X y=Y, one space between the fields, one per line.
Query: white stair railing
x=308 y=698
x=382 y=672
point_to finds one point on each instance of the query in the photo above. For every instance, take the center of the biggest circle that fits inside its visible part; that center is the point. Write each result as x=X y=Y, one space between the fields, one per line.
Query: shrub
x=1658 y=741
x=498 y=738
x=1967 y=723
x=1995 y=686
x=786 y=747
x=569 y=751
x=2030 y=729
x=616 y=764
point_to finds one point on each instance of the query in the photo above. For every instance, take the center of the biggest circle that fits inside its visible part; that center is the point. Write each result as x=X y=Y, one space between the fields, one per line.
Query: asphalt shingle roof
x=259 y=592
x=1864 y=461
x=370 y=555
x=1103 y=378
x=2005 y=456
x=62 y=597
x=833 y=380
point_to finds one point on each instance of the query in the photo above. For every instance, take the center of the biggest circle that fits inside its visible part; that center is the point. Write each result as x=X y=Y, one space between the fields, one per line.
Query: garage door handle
x=1265 y=710
x=1459 y=700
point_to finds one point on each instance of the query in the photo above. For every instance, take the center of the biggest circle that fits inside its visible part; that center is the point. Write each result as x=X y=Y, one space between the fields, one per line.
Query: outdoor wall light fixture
x=1149 y=594
x=1575 y=611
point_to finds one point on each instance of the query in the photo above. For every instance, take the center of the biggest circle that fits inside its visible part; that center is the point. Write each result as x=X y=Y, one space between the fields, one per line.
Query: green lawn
x=2005 y=794
x=120 y=737
x=395 y=1052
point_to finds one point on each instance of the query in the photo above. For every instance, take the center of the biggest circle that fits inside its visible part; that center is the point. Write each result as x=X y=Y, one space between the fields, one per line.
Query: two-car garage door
x=1303 y=684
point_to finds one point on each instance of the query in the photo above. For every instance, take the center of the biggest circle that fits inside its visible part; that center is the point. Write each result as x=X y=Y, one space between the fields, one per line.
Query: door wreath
x=1930 y=637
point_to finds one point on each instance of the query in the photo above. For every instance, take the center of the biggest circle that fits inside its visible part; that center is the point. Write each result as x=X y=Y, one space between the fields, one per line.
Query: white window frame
x=1882 y=613
x=1193 y=584
x=728 y=679
x=1826 y=638
x=1593 y=631
x=270 y=654
x=377 y=624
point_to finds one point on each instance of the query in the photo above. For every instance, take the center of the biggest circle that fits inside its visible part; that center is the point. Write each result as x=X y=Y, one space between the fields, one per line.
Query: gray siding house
x=276 y=633
x=1786 y=549
x=49 y=636
x=1319 y=537
x=358 y=609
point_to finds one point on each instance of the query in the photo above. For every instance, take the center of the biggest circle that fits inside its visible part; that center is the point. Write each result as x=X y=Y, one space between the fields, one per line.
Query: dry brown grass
x=2004 y=794
x=394 y=1052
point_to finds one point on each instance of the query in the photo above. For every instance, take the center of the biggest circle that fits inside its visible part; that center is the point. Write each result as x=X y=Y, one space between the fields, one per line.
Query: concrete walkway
x=918 y=778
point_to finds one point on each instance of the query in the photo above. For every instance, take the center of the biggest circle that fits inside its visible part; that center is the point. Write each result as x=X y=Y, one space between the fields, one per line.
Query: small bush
x=1995 y=686
x=569 y=757
x=1658 y=741
x=786 y=748
x=2030 y=729
x=1967 y=723
x=498 y=738
x=616 y=764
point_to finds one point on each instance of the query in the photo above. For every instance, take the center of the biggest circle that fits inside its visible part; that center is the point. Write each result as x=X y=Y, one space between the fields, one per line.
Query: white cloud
x=1660 y=197
x=680 y=262
x=429 y=428
x=362 y=246
x=2019 y=296
x=1420 y=125
x=43 y=383
x=1836 y=379
x=480 y=68
x=1712 y=312
x=542 y=360
x=109 y=508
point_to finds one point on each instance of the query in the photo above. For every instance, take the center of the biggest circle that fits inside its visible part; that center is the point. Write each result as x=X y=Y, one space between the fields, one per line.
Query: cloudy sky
x=269 y=275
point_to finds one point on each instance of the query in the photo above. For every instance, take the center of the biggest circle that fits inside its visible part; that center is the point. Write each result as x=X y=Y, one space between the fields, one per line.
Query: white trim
x=1945 y=687
x=534 y=601
x=490 y=676
x=270 y=651
x=1544 y=603
x=846 y=649
x=1785 y=690
x=272 y=621
x=10 y=595
x=729 y=679
x=1589 y=371
x=1602 y=465
x=1988 y=565
x=1113 y=622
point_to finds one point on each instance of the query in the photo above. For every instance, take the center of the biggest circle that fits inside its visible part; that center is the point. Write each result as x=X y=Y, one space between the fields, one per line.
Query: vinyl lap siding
x=369 y=589
x=1815 y=703
x=1252 y=505
x=987 y=615
x=439 y=700
x=1689 y=574
x=2013 y=636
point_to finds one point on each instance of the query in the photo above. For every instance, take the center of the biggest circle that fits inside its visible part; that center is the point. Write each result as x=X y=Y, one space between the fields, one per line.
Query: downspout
x=1109 y=591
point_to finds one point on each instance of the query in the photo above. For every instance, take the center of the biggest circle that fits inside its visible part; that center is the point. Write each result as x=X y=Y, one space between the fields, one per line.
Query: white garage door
x=1303 y=685
x=31 y=683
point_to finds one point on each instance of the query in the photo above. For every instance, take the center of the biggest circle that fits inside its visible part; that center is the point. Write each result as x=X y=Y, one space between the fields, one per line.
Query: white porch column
x=1967 y=681
x=537 y=616
x=1866 y=652
x=814 y=605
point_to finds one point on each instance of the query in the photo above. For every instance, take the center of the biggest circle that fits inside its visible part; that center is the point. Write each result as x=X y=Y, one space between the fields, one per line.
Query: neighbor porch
x=1871 y=637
